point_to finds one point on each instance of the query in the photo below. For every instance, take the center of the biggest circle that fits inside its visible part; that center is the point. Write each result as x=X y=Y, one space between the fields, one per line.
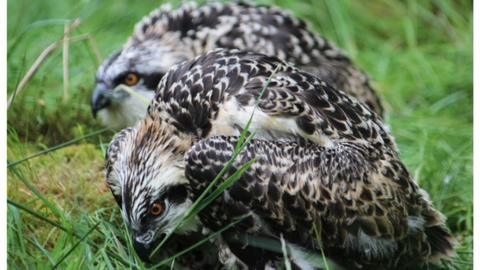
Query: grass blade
x=257 y=101
x=195 y=208
x=320 y=245
x=47 y=220
x=286 y=261
x=201 y=242
x=75 y=246
x=200 y=204
x=275 y=245
x=35 y=191
x=56 y=147
x=227 y=183
x=132 y=92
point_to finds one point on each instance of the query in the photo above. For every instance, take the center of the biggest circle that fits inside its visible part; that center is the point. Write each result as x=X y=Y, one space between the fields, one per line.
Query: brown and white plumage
x=367 y=218
x=167 y=37
x=324 y=160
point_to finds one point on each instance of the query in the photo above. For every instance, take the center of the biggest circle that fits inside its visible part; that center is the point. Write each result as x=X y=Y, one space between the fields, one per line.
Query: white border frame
x=3 y=133
x=476 y=135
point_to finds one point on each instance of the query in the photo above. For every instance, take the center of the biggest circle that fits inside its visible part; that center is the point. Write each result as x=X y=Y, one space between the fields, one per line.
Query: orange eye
x=157 y=209
x=131 y=79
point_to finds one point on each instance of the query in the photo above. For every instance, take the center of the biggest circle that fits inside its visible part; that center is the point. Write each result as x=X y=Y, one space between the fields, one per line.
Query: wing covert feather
x=295 y=186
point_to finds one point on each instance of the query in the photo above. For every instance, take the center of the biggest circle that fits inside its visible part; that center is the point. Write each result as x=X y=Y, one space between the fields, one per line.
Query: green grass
x=419 y=54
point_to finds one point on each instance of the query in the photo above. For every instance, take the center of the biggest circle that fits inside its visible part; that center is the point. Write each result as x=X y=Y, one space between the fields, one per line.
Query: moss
x=72 y=177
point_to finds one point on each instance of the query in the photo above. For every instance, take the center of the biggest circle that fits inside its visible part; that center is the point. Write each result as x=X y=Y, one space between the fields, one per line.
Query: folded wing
x=371 y=211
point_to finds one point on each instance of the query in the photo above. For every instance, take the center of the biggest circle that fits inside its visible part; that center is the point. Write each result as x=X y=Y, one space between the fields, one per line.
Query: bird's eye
x=157 y=208
x=131 y=79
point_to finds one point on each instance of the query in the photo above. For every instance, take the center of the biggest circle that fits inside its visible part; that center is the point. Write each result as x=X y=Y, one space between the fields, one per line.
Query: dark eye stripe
x=121 y=78
x=151 y=80
x=177 y=194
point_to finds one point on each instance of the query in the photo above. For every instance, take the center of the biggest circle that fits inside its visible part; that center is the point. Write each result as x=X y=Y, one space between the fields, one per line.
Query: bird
x=169 y=36
x=322 y=161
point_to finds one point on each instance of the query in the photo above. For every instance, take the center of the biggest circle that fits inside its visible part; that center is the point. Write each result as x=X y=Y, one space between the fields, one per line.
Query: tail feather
x=442 y=243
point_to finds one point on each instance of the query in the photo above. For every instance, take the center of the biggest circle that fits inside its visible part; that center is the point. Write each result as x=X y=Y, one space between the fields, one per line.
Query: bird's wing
x=258 y=28
x=273 y=31
x=357 y=206
x=262 y=29
x=218 y=91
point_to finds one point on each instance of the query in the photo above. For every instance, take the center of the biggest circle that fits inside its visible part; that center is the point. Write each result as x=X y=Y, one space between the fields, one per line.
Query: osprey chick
x=325 y=162
x=167 y=37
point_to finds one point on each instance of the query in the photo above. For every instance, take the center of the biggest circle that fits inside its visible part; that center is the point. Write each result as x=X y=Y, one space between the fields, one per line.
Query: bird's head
x=138 y=66
x=145 y=172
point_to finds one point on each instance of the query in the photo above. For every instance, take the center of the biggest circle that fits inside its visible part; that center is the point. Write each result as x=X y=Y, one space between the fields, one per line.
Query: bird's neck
x=164 y=136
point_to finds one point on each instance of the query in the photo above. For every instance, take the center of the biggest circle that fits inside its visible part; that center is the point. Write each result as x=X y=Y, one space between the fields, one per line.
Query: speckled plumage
x=166 y=37
x=323 y=160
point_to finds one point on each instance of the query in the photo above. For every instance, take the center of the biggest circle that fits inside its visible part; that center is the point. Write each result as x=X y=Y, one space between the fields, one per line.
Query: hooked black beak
x=100 y=99
x=145 y=249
